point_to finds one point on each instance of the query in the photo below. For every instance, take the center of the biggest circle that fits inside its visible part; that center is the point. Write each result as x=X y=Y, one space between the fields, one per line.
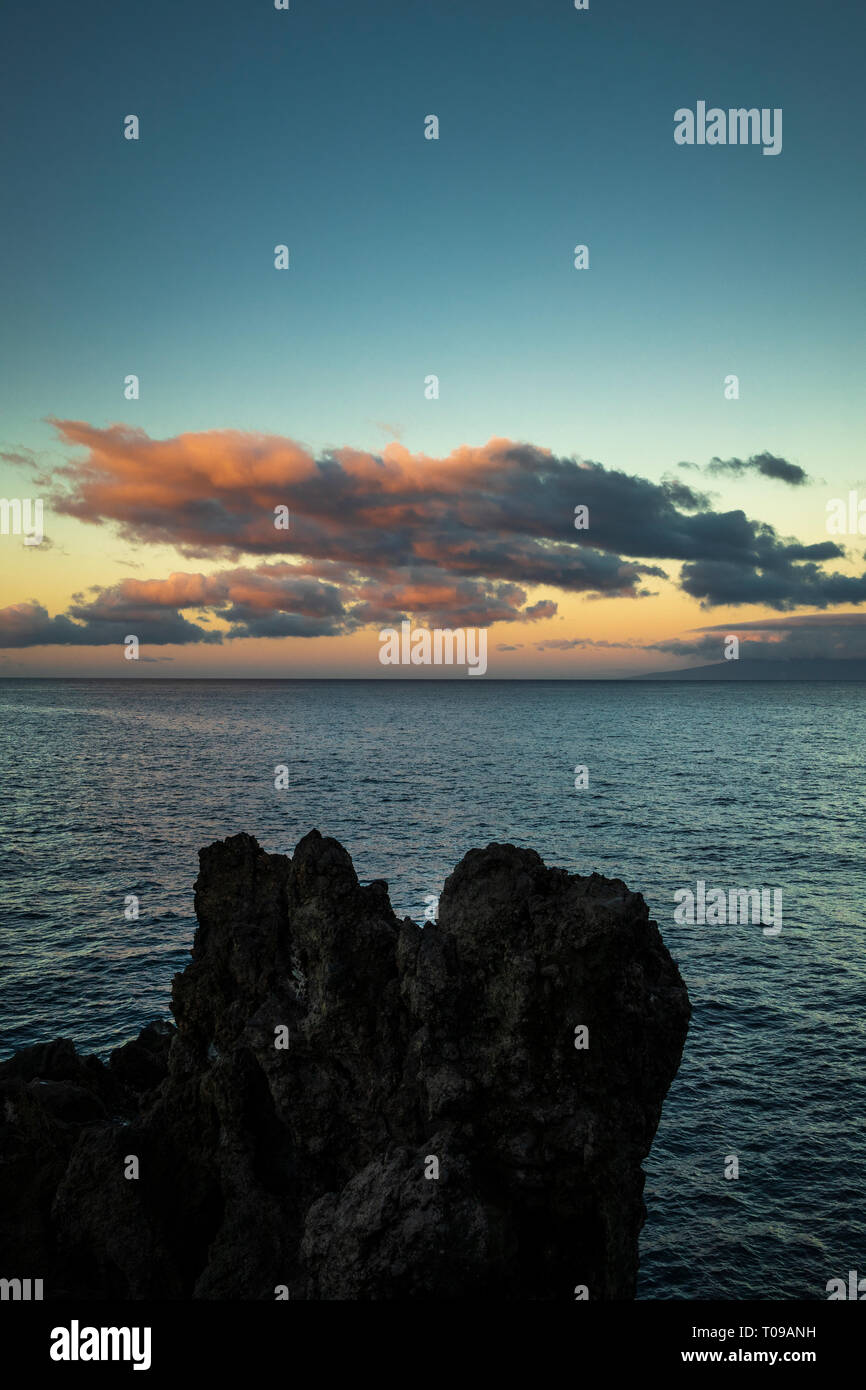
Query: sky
x=308 y=388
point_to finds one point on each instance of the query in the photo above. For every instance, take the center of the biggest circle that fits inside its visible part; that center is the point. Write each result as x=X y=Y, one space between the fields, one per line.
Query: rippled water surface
x=111 y=787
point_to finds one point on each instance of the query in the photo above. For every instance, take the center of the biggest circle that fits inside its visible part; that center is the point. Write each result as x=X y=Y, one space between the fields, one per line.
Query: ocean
x=111 y=787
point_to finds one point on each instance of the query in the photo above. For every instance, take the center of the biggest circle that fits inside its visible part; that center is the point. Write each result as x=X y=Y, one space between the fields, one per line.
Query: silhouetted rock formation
x=304 y=1166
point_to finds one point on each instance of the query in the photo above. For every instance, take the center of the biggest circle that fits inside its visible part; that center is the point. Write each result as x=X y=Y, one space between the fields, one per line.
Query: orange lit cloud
x=457 y=541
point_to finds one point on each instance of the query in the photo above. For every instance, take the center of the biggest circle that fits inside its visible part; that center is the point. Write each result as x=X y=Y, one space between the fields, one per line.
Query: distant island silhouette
x=760 y=669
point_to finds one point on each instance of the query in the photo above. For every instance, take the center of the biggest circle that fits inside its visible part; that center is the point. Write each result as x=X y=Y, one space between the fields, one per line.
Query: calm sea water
x=111 y=787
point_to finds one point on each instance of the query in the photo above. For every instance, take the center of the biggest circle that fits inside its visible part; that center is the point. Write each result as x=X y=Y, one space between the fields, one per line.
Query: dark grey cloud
x=688 y=499
x=774 y=578
x=766 y=464
x=814 y=636
x=29 y=625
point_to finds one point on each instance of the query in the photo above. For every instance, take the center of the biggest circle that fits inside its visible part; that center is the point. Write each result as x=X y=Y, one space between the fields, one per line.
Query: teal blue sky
x=453 y=257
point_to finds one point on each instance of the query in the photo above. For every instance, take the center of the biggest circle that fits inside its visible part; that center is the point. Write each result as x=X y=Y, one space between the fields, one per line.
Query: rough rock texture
x=305 y=1166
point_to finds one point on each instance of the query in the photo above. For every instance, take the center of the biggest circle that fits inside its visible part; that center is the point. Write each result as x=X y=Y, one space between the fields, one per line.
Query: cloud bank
x=456 y=541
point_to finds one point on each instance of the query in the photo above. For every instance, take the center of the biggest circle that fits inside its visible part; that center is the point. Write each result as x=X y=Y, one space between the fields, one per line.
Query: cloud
x=500 y=512
x=451 y=541
x=817 y=621
x=24 y=458
x=766 y=464
x=269 y=600
x=777 y=578
x=44 y=545
x=688 y=499
x=813 y=636
x=543 y=609
x=564 y=644
x=391 y=431
x=28 y=625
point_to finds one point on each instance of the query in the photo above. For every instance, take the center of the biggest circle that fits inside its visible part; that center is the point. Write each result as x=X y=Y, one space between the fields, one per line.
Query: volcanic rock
x=356 y=1107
